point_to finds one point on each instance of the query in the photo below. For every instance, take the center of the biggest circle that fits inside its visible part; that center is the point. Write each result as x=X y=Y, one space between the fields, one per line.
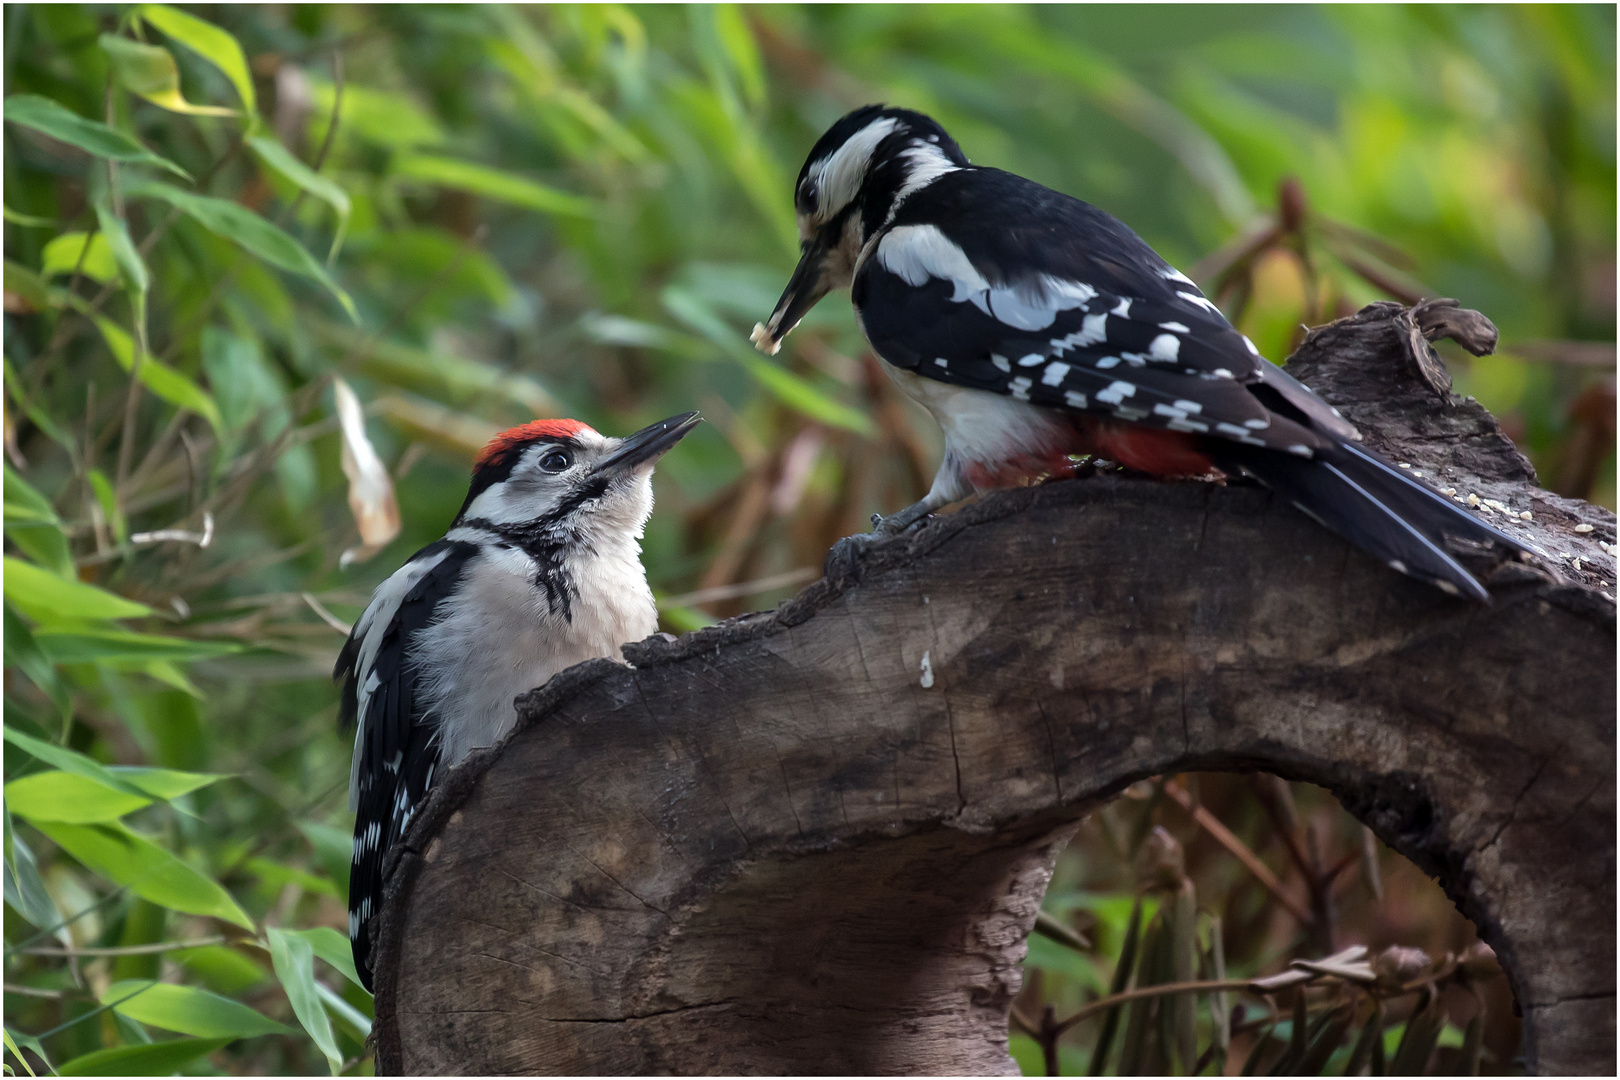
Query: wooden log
x=814 y=840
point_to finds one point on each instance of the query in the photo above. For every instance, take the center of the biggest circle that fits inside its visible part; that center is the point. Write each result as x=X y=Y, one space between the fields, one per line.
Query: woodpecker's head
x=857 y=174
x=561 y=475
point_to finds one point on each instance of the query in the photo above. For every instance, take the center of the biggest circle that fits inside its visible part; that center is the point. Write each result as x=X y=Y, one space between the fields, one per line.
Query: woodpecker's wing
x=991 y=281
x=395 y=748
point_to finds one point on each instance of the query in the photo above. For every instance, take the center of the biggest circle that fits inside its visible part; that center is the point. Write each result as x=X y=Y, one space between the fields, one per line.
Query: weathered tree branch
x=814 y=840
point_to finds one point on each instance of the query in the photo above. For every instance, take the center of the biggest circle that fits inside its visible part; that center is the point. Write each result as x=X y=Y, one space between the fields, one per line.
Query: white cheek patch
x=838 y=177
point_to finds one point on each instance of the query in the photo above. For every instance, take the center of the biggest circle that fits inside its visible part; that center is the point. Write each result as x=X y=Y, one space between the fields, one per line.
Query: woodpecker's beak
x=807 y=285
x=650 y=443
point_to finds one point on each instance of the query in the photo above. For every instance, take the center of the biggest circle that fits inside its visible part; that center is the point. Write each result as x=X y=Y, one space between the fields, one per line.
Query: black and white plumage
x=541 y=570
x=1036 y=327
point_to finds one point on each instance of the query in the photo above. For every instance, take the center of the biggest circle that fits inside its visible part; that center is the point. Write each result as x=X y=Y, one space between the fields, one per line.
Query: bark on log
x=814 y=840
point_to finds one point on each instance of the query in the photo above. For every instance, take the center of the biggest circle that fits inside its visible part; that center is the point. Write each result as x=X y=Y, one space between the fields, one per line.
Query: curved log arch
x=814 y=840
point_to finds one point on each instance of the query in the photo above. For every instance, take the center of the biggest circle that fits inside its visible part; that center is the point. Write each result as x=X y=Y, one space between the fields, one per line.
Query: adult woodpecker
x=540 y=570
x=1035 y=326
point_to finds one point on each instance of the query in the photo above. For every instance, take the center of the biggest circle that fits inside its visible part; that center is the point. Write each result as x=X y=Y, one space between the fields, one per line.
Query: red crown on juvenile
x=524 y=434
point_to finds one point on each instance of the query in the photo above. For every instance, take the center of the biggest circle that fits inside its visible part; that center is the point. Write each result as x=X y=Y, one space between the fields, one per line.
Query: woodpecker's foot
x=902 y=521
x=844 y=557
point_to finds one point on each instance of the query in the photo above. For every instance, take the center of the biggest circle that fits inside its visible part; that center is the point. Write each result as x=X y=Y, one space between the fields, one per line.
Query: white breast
x=498 y=637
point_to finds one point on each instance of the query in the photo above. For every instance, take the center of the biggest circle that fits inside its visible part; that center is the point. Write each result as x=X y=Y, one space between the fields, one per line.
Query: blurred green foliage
x=475 y=215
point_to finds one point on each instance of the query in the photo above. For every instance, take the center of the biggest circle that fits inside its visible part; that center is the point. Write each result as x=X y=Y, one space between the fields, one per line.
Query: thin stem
x=1103 y=1004
x=126 y=950
x=1244 y=854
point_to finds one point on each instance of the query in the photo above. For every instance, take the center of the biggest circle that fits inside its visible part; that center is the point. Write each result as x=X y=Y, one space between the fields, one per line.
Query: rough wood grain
x=813 y=840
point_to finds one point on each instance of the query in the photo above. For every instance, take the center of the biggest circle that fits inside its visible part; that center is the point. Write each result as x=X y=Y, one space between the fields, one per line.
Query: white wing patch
x=917 y=254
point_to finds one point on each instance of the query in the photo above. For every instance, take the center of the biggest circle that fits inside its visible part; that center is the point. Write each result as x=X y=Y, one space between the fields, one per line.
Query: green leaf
x=294 y=960
x=107 y=498
x=29 y=221
x=359 y=1021
x=190 y=1010
x=23 y=652
x=279 y=875
x=63 y=796
x=23 y=503
x=23 y=282
x=242 y=226
x=116 y=234
x=149 y=71
x=81 y=645
x=57 y=121
x=332 y=947
x=47 y=598
x=17 y=1053
x=70 y=761
x=213 y=44
x=62 y=254
x=127 y=858
x=170 y=385
x=34 y=527
x=491 y=183
x=153 y=1059
x=25 y=889
x=164 y=783
x=279 y=158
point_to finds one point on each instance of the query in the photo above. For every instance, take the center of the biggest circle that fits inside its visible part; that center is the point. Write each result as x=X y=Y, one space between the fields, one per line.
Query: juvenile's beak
x=804 y=288
x=650 y=443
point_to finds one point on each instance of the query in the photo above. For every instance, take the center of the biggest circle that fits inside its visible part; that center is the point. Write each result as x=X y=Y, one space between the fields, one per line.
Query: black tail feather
x=1381 y=510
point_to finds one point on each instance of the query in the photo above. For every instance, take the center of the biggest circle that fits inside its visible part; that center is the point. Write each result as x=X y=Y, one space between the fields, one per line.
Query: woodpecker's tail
x=1381 y=510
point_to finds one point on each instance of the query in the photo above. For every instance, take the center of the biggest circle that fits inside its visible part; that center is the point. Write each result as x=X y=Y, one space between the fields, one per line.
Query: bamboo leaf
x=63 y=254
x=48 y=598
x=60 y=123
x=491 y=183
x=1121 y=979
x=149 y=71
x=212 y=43
x=24 y=653
x=154 y=1059
x=294 y=960
x=279 y=158
x=189 y=1010
x=79 y=646
x=122 y=248
x=25 y=889
x=129 y=859
x=164 y=381
x=55 y=795
x=332 y=947
x=254 y=234
x=70 y=761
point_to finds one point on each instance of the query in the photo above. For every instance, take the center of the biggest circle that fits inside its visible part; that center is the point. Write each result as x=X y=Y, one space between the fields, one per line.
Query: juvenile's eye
x=807 y=195
x=556 y=461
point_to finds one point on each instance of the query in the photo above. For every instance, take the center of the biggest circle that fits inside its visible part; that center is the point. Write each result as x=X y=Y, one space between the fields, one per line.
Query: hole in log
x=1279 y=871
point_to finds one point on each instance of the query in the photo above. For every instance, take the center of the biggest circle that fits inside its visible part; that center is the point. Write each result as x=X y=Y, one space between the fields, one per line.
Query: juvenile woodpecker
x=540 y=570
x=1034 y=326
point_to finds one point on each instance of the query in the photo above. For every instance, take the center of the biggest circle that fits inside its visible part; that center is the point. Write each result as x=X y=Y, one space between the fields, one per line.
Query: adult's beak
x=650 y=443
x=807 y=285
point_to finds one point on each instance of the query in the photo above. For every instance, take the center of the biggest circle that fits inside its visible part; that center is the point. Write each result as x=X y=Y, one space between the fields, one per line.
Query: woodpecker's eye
x=807 y=195
x=556 y=461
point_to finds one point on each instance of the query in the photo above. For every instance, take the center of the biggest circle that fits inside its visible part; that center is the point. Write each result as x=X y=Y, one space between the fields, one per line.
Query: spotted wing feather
x=395 y=751
x=1060 y=304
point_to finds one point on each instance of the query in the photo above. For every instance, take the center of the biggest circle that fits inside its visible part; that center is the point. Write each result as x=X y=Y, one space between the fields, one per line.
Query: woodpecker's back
x=1036 y=327
x=541 y=570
